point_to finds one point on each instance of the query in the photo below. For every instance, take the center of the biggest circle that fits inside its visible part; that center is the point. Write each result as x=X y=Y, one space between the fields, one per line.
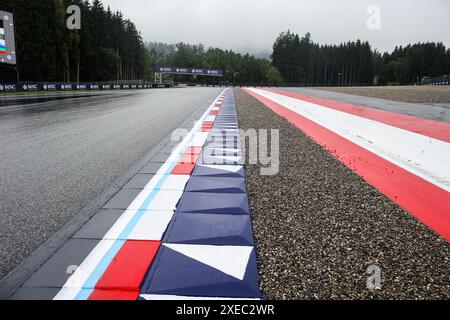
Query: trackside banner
x=30 y=87
x=190 y=71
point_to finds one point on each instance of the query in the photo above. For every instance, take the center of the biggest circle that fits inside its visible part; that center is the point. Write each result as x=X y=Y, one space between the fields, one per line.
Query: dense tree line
x=303 y=62
x=106 y=48
x=238 y=68
x=410 y=64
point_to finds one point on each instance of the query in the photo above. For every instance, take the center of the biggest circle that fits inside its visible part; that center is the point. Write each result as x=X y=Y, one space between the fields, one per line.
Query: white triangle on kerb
x=230 y=260
x=227 y=168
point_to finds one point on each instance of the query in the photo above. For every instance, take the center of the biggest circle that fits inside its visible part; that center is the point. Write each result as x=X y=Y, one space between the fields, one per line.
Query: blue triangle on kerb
x=173 y=273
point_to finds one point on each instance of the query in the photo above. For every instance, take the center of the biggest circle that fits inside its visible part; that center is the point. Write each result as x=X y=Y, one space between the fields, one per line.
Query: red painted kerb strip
x=122 y=279
x=430 y=128
x=425 y=201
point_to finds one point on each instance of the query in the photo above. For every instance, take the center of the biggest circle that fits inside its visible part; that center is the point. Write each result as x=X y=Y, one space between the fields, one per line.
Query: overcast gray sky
x=252 y=25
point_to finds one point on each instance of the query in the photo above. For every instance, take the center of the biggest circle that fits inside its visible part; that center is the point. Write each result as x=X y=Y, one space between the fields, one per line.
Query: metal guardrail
x=436 y=81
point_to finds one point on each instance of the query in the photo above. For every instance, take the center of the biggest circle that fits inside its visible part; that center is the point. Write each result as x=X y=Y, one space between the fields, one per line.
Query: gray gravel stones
x=318 y=227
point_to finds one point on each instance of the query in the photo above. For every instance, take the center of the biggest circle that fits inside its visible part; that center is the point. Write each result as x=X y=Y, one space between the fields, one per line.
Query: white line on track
x=423 y=156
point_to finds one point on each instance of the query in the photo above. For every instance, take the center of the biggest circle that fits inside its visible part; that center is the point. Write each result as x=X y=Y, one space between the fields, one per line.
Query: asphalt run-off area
x=154 y=194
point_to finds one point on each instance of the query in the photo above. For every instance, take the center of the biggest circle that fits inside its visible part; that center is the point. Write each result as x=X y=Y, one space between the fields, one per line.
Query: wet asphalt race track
x=17 y=100
x=59 y=155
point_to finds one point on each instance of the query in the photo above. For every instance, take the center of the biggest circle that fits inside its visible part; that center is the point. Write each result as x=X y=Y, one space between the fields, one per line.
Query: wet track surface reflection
x=19 y=100
x=59 y=155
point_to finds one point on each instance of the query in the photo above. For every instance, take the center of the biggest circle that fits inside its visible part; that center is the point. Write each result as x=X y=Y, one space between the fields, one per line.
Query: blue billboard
x=190 y=71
